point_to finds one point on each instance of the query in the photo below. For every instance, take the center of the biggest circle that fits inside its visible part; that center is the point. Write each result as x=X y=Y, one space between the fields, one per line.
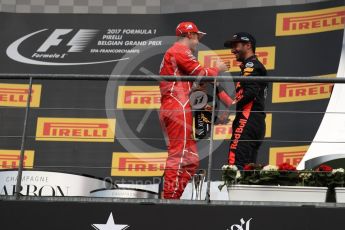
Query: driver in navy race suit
x=248 y=128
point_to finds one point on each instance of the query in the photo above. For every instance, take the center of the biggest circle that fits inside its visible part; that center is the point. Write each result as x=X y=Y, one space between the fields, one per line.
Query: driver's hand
x=223 y=118
x=221 y=66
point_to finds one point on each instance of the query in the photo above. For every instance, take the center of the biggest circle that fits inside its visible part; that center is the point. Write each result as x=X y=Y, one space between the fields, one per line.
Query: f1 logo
x=77 y=43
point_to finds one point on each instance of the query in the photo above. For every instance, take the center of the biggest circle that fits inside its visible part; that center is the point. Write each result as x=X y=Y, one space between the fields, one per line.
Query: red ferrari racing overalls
x=177 y=119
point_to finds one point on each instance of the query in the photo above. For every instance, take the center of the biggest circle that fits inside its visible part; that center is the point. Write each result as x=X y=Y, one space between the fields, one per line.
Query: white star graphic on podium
x=110 y=225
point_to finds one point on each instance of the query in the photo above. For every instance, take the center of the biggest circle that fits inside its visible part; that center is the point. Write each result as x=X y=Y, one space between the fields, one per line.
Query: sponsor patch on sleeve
x=249 y=65
x=249 y=70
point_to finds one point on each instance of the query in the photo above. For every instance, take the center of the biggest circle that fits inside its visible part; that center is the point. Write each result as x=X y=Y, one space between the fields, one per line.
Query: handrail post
x=210 y=152
x=22 y=147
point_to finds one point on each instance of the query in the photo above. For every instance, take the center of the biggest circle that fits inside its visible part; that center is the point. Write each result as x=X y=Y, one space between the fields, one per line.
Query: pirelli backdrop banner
x=111 y=128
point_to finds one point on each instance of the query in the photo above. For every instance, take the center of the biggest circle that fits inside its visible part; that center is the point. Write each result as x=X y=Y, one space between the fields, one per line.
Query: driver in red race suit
x=175 y=112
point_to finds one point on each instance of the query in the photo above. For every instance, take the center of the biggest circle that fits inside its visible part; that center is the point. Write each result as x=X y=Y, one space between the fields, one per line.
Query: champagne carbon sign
x=41 y=183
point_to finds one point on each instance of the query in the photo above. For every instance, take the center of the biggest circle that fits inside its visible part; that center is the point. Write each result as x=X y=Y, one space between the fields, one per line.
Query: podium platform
x=106 y=213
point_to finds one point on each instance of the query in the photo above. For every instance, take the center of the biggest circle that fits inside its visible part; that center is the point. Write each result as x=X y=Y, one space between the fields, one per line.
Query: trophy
x=197 y=183
x=198 y=98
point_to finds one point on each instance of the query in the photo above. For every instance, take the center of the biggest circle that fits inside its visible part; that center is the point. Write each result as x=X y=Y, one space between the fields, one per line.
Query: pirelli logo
x=9 y=159
x=294 y=92
x=224 y=132
x=309 y=22
x=138 y=97
x=292 y=155
x=75 y=129
x=138 y=164
x=16 y=95
x=265 y=54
